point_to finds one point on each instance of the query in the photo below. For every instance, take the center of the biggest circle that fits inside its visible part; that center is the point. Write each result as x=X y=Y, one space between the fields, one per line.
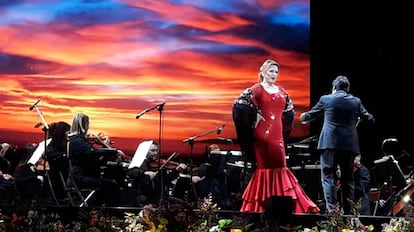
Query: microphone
x=220 y=129
x=35 y=104
x=160 y=106
x=38 y=125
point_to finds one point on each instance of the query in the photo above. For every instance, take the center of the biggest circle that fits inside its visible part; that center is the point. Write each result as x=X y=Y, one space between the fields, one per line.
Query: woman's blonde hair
x=80 y=124
x=265 y=66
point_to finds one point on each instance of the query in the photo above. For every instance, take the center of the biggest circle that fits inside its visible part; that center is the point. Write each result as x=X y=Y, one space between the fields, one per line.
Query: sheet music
x=40 y=150
x=140 y=154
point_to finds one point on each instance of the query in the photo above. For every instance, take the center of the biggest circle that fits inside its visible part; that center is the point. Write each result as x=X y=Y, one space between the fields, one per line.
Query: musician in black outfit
x=152 y=180
x=85 y=162
x=56 y=155
x=7 y=183
x=4 y=162
x=362 y=179
x=28 y=179
x=212 y=176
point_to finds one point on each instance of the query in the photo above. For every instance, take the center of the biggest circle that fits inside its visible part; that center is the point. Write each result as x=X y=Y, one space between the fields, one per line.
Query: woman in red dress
x=259 y=114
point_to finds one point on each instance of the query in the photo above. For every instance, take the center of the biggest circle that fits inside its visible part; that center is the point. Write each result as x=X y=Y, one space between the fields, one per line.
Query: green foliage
x=183 y=217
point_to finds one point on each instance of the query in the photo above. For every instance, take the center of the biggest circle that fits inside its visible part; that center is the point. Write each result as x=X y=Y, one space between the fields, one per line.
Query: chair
x=76 y=196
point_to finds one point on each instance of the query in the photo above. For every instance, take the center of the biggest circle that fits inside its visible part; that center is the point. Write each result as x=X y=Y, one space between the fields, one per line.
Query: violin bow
x=168 y=160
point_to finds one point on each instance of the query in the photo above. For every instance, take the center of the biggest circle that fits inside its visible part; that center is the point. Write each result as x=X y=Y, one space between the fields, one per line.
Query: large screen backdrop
x=113 y=59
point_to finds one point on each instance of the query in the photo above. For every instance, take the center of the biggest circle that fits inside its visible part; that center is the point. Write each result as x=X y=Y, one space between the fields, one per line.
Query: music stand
x=388 y=170
x=44 y=146
x=230 y=168
x=138 y=158
x=38 y=152
x=389 y=175
x=140 y=154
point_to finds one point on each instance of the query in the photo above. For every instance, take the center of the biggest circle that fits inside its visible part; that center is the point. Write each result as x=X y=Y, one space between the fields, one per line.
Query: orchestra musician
x=28 y=179
x=4 y=162
x=152 y=179
x=7 y=185
x=56 y=156
x=362 y=179
x=212 y=176
x=85 y=162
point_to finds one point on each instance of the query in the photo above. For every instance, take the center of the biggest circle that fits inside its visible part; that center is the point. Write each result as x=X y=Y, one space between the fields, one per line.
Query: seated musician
x=362 y=180
x=7 y=184
x=4 y=163
x=85 y=162
x=151 y=182
x=27 y=178
x=213 y=176
x=56 y=155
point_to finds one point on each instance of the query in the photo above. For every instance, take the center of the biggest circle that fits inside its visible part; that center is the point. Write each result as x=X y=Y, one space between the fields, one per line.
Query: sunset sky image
x=113 y=59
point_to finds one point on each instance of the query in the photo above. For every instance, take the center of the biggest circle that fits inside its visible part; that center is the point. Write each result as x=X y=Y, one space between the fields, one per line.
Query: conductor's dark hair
x=341 y=83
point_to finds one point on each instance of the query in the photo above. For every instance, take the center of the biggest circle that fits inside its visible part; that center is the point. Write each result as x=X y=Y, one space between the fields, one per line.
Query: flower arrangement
x=184 y=217
x=336 y=222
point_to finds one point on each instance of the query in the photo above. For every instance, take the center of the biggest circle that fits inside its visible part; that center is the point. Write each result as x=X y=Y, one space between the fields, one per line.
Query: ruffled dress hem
x=266 y=183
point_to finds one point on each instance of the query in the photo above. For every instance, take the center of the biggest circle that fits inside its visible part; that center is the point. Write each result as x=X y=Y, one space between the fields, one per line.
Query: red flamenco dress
x=272 y=177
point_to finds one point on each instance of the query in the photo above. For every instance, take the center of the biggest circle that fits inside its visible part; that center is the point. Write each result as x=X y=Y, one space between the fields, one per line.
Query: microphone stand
x=45 y=158
x=190 y=142
x=160 y=108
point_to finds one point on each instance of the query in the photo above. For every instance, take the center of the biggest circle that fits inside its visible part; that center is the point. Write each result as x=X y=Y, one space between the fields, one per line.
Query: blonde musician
x=85 y=163
x=3 y=148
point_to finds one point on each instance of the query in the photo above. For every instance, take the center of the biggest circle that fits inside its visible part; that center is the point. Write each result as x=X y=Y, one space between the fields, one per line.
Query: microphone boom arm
x=158 y=106
x=193 y=138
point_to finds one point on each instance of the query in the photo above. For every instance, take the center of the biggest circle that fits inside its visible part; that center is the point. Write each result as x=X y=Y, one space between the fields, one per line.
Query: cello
x=405 y=198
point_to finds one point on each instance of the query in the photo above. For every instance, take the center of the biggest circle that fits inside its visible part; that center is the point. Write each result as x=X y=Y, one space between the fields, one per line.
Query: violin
x=170 y=165
x=100 y=139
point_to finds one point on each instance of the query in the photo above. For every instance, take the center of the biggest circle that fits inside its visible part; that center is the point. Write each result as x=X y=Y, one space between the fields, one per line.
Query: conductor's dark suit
x=338 y=141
